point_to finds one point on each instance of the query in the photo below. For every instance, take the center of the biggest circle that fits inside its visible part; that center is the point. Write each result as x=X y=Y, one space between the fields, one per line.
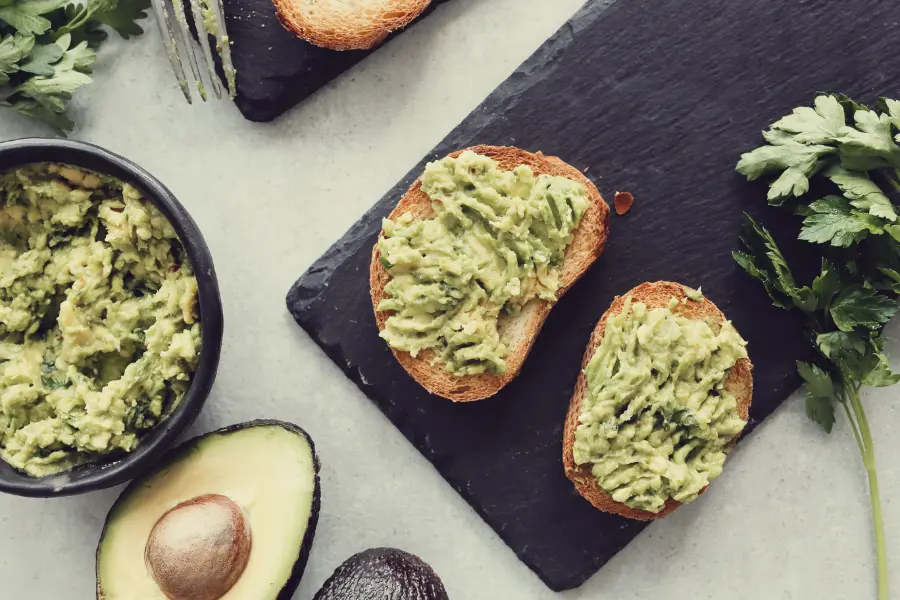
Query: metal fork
x=209 y=19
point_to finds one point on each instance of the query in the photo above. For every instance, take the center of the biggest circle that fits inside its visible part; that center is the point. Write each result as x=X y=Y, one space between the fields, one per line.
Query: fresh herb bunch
x=853 y=150
x=47 y=49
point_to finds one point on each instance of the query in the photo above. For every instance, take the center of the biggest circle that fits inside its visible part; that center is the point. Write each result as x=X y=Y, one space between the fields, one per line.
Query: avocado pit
x=199 y=549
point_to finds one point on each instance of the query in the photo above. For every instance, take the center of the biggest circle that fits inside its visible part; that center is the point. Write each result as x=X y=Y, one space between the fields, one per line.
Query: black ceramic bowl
x=115 y=469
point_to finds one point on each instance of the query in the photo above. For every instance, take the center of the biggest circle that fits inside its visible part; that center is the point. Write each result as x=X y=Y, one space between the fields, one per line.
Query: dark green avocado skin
x=287 y=592
x=383 y=574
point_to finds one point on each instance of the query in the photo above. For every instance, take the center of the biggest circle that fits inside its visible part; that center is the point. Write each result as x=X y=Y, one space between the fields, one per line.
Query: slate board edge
x=498 y=102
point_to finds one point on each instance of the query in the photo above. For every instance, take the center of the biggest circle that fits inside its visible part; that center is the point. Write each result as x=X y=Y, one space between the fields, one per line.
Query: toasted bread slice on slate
x=519 y=331
x=347 y=24
x=739 y=382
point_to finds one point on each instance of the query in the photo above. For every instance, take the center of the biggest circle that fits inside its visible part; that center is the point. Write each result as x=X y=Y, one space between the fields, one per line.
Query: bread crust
x=518 y=332
x=739 y=381
x=332 y=26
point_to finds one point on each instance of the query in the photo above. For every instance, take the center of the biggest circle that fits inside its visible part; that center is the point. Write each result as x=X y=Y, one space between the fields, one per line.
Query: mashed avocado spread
x=99 y=332
x=656 y=421
x=496 y=241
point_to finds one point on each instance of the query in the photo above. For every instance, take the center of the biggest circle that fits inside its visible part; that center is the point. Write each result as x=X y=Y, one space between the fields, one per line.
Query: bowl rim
x=119 y=468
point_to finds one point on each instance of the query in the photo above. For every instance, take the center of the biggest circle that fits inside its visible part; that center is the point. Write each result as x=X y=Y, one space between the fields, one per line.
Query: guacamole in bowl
x=101 y=320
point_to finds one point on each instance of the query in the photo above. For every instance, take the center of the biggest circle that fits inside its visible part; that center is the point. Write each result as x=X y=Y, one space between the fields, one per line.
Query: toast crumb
x=518 y=332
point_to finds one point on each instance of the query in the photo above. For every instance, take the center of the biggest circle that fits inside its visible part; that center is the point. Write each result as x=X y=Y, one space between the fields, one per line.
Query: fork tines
x=209 y=20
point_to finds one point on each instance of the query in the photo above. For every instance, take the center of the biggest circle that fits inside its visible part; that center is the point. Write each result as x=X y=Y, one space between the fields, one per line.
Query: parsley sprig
x=48 y=48
x=853 y=152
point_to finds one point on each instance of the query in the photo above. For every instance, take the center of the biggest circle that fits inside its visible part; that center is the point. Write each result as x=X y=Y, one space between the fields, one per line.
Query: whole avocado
x=384 y=573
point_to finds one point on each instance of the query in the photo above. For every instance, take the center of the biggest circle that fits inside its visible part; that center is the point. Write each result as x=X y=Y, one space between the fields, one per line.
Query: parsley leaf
x=78 y=57
x=863 y=360
x=69 y=74
x=834 y=221
x=820 y=394
x=53 y=92
x=893 y=277
x=761 y=259
x=847 y=102
x=862 y=192
x=42 y=59
x=868 y=145
x=839 y=345
x=826 y=285
x=798 y=146
x=13 y=49
x=881 y=375
x=857 y=306
x=45 y=97
x=821 y=412
x=27 y=16
x=819 y=125
x=893 y=231
x=30 y=108
x=797 y=161
x=818 y=382
x=892 y=108
x=122 y=16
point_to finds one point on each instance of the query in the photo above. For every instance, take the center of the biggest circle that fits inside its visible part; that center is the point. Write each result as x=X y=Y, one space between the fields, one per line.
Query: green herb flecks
x=854 y=151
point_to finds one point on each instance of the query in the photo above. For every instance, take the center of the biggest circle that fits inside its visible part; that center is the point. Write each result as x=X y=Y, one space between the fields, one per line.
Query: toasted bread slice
x=347 y=24
x=739 y=382
x=517 y=332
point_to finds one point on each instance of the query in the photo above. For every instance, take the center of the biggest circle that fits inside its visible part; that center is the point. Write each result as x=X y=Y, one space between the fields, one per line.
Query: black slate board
x=275 y=69
x=657 y=98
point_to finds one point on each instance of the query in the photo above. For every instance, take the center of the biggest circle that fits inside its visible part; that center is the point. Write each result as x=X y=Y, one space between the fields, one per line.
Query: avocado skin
x=383 y=573
x=290 y=586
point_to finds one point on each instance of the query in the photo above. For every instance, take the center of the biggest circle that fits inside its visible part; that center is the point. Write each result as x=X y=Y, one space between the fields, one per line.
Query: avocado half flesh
x=383 y=573
x=230 y=514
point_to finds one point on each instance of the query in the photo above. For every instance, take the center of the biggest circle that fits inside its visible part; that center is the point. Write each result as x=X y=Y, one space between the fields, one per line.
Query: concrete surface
x=789 y=519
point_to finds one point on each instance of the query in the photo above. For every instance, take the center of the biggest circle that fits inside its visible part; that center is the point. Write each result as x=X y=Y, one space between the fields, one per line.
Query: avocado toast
x=517 y=331
x=737 y=385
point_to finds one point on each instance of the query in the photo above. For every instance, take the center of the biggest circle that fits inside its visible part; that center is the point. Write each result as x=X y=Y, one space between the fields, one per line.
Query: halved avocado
x=383 y=573
x=230 y=514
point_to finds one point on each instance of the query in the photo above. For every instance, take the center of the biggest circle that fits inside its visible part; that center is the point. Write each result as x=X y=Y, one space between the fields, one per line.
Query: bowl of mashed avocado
x=110 y=318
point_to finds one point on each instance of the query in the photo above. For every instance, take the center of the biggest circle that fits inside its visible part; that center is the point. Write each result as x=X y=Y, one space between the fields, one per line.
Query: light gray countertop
x=789 y=518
